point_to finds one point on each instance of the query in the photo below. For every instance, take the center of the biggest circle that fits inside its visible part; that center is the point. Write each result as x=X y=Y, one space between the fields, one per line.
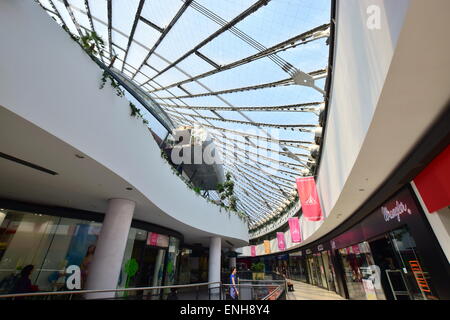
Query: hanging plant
x=113 y=82
x=90 y=41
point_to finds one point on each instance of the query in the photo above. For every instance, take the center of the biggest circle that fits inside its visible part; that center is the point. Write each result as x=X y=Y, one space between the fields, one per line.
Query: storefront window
x=361 y=274
x=49 y=244
x=171 y=266
x=193 y=266
x=143 y=262
x=320 y=272
x=329 y=271
x=403 y=274
x=297 y=267
x=387 y=267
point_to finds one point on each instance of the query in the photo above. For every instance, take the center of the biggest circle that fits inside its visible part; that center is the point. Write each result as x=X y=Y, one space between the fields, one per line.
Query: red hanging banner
x=294 y=226
x=253 y=251
x=281 y=242
x=309 y=198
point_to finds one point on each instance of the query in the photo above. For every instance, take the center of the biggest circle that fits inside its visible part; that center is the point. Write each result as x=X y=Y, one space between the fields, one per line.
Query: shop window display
x=49 y=244
x=361 y=274
x=144 y=261
x=329 y=271
x=297 y=267
x=387 y=267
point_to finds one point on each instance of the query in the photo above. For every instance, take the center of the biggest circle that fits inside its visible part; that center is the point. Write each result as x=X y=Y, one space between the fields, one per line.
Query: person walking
x=234 y=293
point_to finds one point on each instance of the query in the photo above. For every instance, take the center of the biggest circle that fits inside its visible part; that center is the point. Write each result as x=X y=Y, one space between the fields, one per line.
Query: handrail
x=244 y=280
x=272 y=293
x=56 y=293
x=248 y=285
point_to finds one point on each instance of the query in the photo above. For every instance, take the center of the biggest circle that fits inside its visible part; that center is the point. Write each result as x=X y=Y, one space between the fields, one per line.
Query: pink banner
x=281 y=242
x=294 y=227
x=152 y=239
x=309 y=198
x=253 y=251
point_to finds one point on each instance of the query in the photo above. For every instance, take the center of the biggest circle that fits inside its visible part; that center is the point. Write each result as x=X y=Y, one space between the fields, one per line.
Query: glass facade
x=193 y=266
x=50 y=244
x=297 y=267
x=329 y=271
x=388 y=267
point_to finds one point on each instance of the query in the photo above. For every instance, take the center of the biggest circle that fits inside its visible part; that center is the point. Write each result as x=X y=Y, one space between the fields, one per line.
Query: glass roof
x=250 y=72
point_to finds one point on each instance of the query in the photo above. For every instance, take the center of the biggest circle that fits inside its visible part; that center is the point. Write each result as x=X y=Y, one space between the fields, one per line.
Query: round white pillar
x=104 y=270
x=232 y=262
x=2 y=217
x=215 y=245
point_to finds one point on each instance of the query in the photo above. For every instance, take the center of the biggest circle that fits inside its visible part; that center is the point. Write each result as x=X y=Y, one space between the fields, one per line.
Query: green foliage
x=226 y=191
x=90 y=41
x=196 y=189
x=113 y=82
x=258 y=267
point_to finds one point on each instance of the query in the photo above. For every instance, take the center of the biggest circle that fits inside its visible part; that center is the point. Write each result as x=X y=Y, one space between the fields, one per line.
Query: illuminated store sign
x=395 y=213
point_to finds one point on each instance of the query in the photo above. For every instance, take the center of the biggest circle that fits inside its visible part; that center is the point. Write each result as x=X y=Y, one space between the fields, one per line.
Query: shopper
x=173 y=295
x=84 y=267
x=23 y=283
x=234 y=293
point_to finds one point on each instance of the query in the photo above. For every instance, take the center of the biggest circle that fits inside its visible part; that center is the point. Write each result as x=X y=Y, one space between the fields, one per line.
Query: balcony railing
x=248 y=289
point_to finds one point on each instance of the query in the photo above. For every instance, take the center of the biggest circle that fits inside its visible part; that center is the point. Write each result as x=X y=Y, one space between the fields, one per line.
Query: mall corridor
x=202 y=150
x=304 y=291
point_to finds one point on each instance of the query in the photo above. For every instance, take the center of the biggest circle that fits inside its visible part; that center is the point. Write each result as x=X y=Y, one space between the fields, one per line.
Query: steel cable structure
x=251 y=73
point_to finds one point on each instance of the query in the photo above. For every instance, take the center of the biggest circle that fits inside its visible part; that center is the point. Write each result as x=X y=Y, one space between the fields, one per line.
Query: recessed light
x=362 y=190
x=128 y=188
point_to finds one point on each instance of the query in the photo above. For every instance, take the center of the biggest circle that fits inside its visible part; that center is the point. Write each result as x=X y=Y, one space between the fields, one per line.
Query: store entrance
x=388 y=274
x=400 y=270
x=150 y=262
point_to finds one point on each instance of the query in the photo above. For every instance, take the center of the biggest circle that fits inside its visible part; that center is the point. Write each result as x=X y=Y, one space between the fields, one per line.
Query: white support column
x=232 y=259
x=2 y=217
x=214 y=260
x=104 y=270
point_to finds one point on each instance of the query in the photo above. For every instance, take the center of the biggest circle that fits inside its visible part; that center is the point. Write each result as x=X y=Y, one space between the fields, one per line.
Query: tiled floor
x=305 y=291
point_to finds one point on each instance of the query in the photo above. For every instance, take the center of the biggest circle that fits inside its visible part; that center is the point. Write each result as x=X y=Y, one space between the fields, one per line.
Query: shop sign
x=320 y=247
x=396 y=212
x=157 y=240
x=307 y=192
x=308 y=251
